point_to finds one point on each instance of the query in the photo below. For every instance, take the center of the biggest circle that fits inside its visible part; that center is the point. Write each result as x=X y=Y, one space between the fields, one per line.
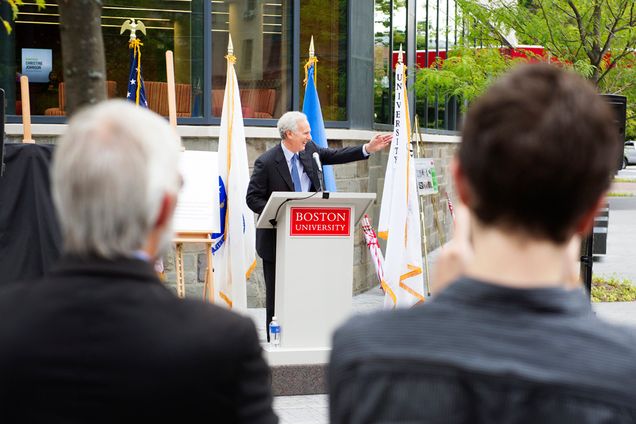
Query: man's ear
x=168 y=205
x=586 y=223
x=461 y=184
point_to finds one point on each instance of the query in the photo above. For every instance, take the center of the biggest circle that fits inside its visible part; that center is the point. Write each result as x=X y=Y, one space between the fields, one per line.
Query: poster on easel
x=198 y=205
x=426 y=177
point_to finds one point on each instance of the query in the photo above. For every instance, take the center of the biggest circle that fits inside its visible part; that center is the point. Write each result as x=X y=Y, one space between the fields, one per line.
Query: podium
x=314 y=268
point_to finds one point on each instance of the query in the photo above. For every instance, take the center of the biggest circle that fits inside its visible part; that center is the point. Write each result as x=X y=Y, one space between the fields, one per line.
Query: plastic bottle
x=274 y=333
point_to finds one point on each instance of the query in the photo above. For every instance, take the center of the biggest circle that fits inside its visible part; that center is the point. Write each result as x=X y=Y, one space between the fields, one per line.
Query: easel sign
x=426 y=177
x=197 y=214
x=198 y=206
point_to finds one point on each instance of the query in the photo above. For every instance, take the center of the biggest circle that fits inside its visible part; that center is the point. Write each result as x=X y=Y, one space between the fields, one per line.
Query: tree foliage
x=595 y=36
x=465 y=74
x=14 y=4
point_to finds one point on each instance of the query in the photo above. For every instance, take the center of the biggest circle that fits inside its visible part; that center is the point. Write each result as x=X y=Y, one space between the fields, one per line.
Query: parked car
x=629 y=154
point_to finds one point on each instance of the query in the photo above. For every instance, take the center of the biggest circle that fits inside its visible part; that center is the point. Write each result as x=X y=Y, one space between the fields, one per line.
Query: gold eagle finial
x=132 y=26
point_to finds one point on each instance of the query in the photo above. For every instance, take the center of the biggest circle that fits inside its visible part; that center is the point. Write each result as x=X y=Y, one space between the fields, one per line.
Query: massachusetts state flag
x=136 y=92
x=234 y=248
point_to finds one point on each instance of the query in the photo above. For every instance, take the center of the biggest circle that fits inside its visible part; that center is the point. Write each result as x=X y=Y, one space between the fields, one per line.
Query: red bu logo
x=320 y=222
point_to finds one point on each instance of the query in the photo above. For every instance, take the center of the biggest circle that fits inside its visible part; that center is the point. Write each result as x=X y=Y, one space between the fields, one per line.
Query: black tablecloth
x=30 y=239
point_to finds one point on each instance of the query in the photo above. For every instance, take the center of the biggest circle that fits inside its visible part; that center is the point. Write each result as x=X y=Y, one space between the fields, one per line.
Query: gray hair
x=289 y=122
x=111 y=170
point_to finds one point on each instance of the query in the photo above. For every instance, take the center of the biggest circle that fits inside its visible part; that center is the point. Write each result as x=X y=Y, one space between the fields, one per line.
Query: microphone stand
x=321 y=176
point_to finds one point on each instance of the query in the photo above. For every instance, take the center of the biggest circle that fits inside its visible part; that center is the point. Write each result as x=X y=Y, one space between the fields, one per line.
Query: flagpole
x=417 y=141
x=172 y=98
x=26 y=110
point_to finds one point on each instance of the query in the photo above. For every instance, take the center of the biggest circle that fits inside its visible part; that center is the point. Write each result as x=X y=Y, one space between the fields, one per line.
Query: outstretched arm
x=378 y=142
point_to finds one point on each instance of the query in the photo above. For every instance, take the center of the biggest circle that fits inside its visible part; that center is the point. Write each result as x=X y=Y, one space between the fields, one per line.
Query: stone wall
x=362 y=176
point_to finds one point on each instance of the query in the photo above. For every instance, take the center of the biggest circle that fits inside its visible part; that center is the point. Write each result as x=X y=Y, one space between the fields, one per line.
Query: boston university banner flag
x=399 y=213
x=233 y=248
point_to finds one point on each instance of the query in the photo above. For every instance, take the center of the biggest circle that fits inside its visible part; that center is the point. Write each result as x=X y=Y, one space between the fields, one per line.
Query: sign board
x=319 y=221
x=37 y=64
x=425 y=176
x=198 y=205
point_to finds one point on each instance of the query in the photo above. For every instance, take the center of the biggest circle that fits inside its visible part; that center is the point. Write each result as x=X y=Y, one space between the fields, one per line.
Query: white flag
x=234 y=248
x=399 y=213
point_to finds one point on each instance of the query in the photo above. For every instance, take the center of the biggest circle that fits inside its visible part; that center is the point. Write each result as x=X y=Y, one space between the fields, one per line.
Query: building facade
x=355 y=43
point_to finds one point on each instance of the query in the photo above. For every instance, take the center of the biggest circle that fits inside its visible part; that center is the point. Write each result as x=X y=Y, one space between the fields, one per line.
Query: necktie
x=294 y=174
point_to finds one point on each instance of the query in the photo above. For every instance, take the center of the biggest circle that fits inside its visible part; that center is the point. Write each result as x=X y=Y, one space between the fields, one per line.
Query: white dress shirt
x=305 y=182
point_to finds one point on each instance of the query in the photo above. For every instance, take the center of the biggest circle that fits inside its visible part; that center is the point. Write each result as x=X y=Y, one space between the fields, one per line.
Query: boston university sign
x=320 y=221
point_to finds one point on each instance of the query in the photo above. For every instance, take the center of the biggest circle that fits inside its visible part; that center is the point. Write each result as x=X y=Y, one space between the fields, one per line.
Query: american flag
x=136 y=92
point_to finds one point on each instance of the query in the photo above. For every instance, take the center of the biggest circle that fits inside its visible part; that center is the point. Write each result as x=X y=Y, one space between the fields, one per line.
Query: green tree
x=594 y=36
x=465 y=74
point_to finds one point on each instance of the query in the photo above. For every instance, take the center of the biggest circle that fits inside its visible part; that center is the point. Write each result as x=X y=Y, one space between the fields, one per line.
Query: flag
x=234 y=247
x=451 y=209
x=399 y=213
x=311 y=108
x=374 y=248
x=136 y=92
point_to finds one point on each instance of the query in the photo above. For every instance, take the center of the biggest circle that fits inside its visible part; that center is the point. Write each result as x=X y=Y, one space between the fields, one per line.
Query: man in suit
x=289 y=166
x=511 y=338
x=100 y=338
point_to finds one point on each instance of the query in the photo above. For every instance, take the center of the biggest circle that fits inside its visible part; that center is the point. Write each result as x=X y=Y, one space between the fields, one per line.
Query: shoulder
x=12 y=292
x=270 y=154
x=363 y=335
x=214 y=322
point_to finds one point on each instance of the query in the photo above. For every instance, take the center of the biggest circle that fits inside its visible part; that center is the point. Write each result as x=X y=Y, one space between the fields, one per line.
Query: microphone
x=321 y=176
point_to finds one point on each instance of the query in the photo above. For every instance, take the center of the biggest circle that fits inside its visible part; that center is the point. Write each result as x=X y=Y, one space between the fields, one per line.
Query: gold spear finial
x=400 y=55
x=230 y=51
x=311 y=48
x=130 y=24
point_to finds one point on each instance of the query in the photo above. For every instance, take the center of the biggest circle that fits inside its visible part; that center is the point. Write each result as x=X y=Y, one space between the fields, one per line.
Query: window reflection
x=261 y=35
x=326 y=20
x=382 y=76
x=171 y=25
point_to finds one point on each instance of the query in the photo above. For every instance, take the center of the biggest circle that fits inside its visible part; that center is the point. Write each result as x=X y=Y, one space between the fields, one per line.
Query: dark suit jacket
x=271 y=173
x=106 y=341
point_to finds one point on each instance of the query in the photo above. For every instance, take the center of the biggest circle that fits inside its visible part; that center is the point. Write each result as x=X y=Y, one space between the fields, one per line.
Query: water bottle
x=274 y=333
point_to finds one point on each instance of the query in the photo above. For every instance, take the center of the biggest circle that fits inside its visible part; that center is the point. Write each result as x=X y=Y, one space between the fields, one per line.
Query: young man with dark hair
x=511 y=336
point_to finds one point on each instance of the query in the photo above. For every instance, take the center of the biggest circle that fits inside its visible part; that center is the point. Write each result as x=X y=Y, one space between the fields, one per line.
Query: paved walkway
x=621 y=252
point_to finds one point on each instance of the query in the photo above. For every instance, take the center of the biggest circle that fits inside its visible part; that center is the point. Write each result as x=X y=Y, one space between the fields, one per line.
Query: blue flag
x=311 y=108
x=136 y=92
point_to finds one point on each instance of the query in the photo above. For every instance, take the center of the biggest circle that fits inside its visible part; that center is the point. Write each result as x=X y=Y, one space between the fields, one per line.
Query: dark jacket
x=481 y=353
x=271 y=173
x=106 y=341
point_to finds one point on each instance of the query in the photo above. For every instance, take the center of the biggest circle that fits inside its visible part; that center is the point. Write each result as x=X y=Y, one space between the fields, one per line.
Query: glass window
x=170 y=25
x=262 y=39
x=435 y=36
x=326 y=20
x=382 y=61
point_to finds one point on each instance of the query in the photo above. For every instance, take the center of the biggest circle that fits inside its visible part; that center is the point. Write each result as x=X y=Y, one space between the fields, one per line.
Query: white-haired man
x=289 y=167
x=100 y=338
